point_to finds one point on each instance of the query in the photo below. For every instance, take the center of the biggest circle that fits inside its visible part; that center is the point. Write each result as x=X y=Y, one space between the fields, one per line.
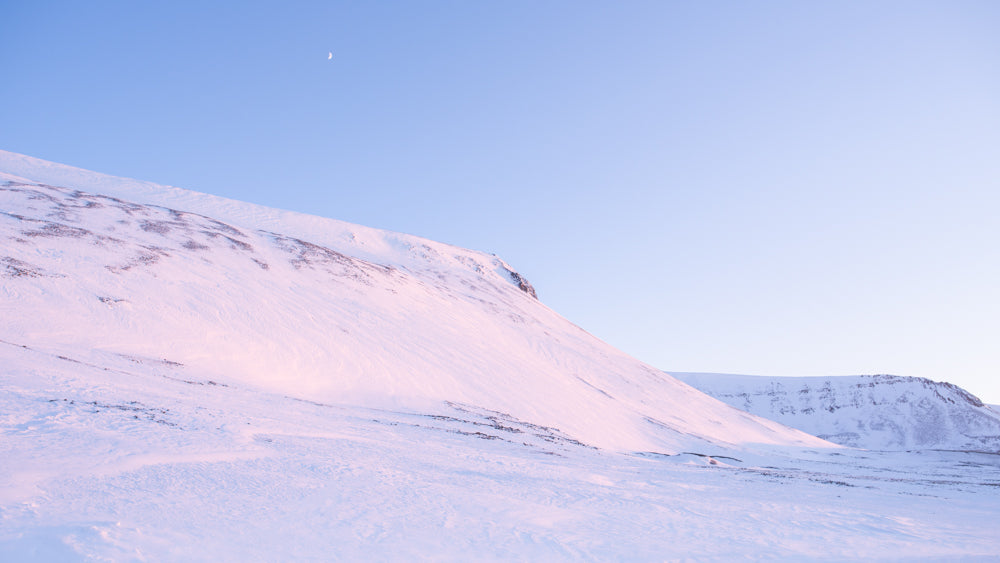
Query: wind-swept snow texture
x=185 y=377
x=878 y=412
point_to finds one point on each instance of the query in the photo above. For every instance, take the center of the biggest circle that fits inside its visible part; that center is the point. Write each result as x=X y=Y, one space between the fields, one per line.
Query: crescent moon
x=330 y=56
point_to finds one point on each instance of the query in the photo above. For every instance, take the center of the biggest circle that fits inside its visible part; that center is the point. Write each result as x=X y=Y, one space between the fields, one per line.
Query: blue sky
x=780 y=188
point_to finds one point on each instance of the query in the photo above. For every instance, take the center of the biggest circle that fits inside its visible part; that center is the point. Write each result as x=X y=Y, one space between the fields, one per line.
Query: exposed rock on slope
x=882 y=412
x=518 y=279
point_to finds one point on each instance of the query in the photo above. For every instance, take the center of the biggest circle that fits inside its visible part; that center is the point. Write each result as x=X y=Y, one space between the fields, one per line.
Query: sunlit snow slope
x=95 y=267
x=881 y=412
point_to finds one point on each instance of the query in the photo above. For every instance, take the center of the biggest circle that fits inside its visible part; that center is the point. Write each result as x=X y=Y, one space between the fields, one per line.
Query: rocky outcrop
x=522 y=283
x=883 y=412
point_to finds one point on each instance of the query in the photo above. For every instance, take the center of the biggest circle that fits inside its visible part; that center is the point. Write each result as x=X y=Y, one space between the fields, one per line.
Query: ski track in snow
x=188 y=378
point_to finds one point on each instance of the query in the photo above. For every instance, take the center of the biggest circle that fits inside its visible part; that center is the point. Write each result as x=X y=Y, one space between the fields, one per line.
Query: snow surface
x=186 y=377
x=879 y=412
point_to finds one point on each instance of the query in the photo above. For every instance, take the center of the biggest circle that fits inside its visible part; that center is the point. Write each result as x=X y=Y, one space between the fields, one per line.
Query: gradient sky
x=777 y=188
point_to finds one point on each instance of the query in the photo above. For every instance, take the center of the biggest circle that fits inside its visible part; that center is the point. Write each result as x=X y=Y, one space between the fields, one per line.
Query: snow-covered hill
x=189 y=378
x=881 y=412
x=322 y=310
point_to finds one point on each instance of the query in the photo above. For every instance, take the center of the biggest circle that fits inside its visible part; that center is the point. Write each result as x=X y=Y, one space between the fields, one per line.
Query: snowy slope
x=322 y=310
x=882 y=412
x=189 y=378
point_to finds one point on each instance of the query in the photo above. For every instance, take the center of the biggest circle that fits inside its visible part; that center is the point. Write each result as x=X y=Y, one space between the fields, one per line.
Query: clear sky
x=776 y=188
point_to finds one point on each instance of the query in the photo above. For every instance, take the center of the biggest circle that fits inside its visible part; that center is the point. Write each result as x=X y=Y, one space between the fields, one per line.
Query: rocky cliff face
x=883 y=412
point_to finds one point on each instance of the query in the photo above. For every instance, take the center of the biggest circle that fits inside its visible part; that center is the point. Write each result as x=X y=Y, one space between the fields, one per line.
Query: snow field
x=212 y=472
x=189 y=378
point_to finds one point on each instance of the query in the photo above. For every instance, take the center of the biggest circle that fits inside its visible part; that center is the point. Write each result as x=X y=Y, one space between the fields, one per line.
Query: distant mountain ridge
x=879 y=412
